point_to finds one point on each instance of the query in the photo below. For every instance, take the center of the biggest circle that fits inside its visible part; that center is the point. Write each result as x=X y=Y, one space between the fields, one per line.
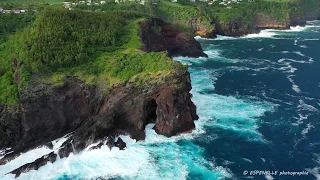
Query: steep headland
x=160 y=36
x=252 y=17
x=117 y=86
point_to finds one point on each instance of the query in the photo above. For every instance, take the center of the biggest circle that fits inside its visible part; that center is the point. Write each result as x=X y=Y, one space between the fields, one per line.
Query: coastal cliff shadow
x=150 y=110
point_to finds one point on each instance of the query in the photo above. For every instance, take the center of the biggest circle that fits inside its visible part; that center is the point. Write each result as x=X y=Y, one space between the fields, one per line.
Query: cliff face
x=264 y=21
x=46 y=112
x=241 y=27
x=235 y=28
x=160 y=36
x=49 y=112
x=201 y=28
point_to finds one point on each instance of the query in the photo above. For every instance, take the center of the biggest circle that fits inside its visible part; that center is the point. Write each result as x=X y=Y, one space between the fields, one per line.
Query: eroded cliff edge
x=46 y=111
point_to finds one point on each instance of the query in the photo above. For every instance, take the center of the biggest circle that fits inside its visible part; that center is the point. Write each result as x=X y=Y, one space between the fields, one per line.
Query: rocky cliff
x=160 y=36
x=46 y=111
x=240 y=26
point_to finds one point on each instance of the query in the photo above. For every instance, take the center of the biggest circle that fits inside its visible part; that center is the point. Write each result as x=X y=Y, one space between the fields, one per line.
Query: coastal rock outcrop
x=158 y=35
x=50 y=112
x=265 y=21
x=240 y=27
x=35 y=165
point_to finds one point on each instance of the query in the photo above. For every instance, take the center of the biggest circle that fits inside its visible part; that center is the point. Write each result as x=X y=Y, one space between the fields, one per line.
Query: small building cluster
x=12 y=11
x=87 y=2
x=97 y=2
x=228 y=2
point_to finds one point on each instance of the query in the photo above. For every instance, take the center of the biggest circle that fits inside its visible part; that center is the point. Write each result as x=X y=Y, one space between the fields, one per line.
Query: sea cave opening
x=151 y=114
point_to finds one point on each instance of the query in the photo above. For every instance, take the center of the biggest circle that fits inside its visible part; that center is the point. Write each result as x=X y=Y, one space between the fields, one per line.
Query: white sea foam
x=314 y=39
x=299 y=53
x=248 y=160
x=229 y=113
x=292 y=60
x=5 y=151
x=296 y=29
x=190 y=61
x=213 y=55
x=295 y=87
x=288 y=68
x=262 y=34
x=157 y=157
x=219 y=37
x=304 y=106
x=269 y=177
x=316 y=170
x=307 y=129
x=300 y=119
x=31 y=156
x=272 y=45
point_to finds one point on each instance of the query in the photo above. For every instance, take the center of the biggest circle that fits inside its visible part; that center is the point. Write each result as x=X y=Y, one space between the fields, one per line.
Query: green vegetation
x=185 y=15
x=9 y=23
x=101 y=49
x=245 y=12
x=8 y=90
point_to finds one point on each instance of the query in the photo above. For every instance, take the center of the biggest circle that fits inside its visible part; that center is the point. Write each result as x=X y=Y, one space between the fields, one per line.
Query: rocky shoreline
x=47 y=112
x=261 y=21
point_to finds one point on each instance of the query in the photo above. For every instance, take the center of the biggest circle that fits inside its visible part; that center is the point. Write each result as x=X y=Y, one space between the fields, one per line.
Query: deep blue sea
x=258 y=98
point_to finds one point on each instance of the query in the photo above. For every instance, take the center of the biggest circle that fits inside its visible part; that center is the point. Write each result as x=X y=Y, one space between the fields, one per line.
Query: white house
x=66 y=4
x=6 y=11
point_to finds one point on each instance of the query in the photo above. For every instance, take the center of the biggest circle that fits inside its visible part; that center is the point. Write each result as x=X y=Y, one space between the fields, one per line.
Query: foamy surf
x=31 y=156
x=268 y=33
x=158 y=157
x=296 y=29
x=295 y=87
x=228 y=113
